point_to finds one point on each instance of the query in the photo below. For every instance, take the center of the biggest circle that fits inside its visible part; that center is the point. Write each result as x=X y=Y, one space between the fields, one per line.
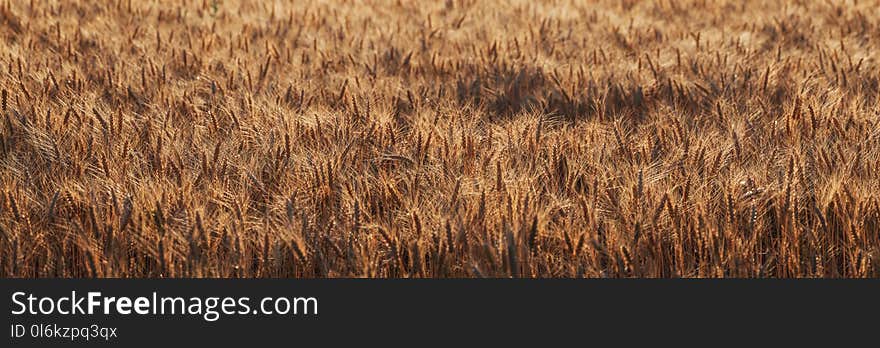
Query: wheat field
x=606 y=138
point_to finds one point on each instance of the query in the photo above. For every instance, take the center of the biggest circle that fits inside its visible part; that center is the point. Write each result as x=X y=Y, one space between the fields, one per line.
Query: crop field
x=599 y=138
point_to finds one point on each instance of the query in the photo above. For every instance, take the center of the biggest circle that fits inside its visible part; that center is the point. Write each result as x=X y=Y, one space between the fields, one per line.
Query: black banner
x=332 y=312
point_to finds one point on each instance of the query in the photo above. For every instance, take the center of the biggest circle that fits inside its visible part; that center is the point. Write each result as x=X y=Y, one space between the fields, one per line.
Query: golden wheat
x=673 y=138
